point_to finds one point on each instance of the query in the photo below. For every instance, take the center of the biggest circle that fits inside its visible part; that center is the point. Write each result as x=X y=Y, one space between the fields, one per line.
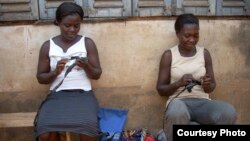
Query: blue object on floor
x=112 y=121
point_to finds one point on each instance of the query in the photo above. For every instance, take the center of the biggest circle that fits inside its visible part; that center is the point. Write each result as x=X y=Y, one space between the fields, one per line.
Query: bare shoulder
x=206 y=53
x=207 y=57
x=166 y=58
x=89 y=42
x=45 y=47
x=167 y=54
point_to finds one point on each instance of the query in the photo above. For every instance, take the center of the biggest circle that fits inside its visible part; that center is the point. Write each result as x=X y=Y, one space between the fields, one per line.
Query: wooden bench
x=23 y=120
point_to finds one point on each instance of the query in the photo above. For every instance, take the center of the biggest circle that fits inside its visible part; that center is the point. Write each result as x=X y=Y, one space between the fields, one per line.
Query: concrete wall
x=130 y=52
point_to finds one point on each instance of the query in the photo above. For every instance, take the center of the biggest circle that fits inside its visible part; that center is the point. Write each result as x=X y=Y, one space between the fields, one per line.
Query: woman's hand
x=206 y=81
x=60 y=66
x=82 y=62
x=185 y=79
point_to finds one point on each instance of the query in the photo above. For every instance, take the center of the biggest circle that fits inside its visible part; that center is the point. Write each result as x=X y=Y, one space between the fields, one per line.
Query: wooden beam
x=14 y=1
x=25 y=119
x=15 y=8
x=233 y=4
x=17 y=119
x=150 y=4
x=196 y=3
x=108 y=4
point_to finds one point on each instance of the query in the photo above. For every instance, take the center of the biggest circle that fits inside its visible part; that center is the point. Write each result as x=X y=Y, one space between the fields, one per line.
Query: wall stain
x=240 y=39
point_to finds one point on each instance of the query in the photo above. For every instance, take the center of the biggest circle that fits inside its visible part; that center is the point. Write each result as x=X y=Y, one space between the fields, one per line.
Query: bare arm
x=164 y=87
x=208 y=83
x=44 y=75
x=163 y=84
x=92 y=67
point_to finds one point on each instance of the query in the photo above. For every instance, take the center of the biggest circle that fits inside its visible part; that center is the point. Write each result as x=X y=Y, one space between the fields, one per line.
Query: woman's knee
x=87 y=138
x=230 y=115
x=50 y=136
x=178 y=115
x=227 y=116
x=177 y=110
x=44 y=136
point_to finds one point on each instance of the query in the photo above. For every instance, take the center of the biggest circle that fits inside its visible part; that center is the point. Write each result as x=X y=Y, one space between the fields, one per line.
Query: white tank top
x=194 y=65
x=77 y=78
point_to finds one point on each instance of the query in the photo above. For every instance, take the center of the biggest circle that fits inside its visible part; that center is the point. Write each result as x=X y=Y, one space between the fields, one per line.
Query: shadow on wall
x=241 y=41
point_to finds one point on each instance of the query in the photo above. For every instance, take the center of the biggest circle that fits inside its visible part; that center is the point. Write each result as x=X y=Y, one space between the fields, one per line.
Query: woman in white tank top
x=71 y=106
x=186 y=76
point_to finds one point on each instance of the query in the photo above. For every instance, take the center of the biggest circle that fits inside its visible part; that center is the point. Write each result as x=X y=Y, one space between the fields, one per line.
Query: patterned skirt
x=72 y=111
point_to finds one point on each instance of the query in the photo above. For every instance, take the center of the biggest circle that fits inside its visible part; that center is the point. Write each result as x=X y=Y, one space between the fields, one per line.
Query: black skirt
x=72 y=111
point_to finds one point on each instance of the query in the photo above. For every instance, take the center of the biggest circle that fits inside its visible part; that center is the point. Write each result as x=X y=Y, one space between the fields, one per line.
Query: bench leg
x=65 y=136
x=68 y=136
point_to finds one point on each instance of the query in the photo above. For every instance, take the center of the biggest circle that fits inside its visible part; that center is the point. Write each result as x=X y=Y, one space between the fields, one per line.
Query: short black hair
x=185 y=19
x=67 y=8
